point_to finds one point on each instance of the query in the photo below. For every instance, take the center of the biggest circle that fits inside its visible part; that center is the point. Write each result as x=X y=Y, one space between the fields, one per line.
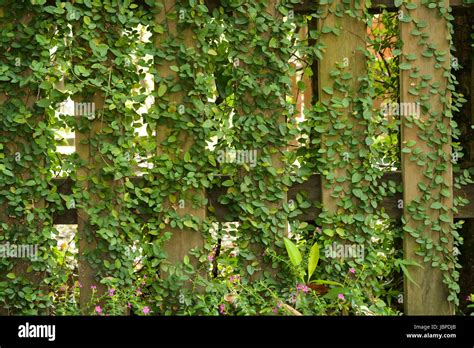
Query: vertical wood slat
x=183 y=240
x=242 y=109
x=340 y=49
x=430 y=298
x=87 y=240
x=21 y=266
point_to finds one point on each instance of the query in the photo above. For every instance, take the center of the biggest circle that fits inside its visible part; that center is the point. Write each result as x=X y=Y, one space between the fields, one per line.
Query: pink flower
x=275 y=310
x=341 y=297
x=111 y=292
x=222 y=308
x=129 y=305
x=139 y=291
x=210 y=258
x=234 y=278
x=302 y=287
x=146 y=310
x=62 y=289
x=79 y=284
x=98 y=309
x=93 y=287
x=352 y=270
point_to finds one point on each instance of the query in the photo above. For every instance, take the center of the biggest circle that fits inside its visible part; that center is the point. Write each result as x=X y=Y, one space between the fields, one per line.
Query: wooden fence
x=431 y=290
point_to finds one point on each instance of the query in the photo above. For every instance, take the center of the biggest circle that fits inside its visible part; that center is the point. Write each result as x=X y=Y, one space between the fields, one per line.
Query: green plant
x=305 y=273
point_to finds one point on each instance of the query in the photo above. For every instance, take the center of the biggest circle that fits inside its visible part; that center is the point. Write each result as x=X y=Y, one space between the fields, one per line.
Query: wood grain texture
x=430 y=297
x=183 y=240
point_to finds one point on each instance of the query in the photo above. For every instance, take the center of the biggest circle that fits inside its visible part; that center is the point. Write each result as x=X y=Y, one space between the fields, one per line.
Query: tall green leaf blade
x=313 y=260
x=293 y=252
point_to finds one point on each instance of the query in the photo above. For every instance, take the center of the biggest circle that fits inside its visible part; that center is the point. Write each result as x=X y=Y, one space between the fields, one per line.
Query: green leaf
x=228 y=183
x=407 y=274
x=313 y=260
x=445 y=218
x=11 y=276
x=328 y=90
x=188 y=223
x=43 y=103
x=162 y=89
x=293 y=252
x=207 y=124
x=405 y=66
x=329 y=232
x=356 y=177
x=328 y=282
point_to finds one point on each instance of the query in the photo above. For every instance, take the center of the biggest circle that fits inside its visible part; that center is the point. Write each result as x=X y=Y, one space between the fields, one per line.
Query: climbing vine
x=174 y=99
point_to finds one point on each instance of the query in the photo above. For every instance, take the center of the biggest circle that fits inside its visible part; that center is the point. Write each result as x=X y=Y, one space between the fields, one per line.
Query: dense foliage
x=221 y=77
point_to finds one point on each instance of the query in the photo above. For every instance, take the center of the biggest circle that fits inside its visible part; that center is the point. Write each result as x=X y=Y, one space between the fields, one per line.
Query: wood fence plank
x=183 y=240
x=14 y=148
x=311 y=187
x=345 y=50
x=430 y=297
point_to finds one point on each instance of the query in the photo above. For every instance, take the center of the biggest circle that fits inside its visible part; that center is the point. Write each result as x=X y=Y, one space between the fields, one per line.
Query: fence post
x=243 y=108
x=87 y=240
x=13 y=149
x=344 y=50
x=185 y=239
x=430 y=297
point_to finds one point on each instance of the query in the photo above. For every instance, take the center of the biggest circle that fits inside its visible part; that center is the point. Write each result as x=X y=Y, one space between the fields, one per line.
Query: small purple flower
x=352 y=270
x=98 y=310
x=302 y=287
x=62 y=289
x=210 y=258
x=139 y=292
x=111 y=292
x=93 y=287
x=341 y=297
x=146 y=310
x=79 y=284
x=129 y=305
x=292 y=298
x=222 y=309
x=275 y=310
